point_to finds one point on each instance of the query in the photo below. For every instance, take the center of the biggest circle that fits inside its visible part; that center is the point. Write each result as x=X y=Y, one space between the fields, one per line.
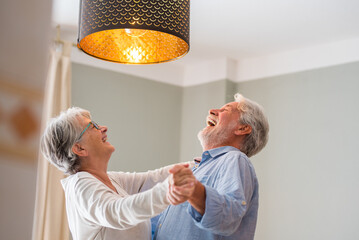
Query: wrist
x=198 y=198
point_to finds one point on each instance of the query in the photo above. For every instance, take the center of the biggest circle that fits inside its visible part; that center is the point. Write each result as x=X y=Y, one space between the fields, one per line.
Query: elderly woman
x=101 y=204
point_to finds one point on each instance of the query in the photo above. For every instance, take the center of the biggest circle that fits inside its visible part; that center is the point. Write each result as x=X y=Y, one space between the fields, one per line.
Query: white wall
x=17 y=200
x=24 y=42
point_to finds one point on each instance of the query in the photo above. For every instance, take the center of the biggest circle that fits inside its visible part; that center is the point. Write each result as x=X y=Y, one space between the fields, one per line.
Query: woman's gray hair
x=252 y=114
x=60 y=135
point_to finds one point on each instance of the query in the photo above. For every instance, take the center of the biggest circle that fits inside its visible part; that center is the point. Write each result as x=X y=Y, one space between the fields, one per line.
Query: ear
x=243 y=130
x=78 y=150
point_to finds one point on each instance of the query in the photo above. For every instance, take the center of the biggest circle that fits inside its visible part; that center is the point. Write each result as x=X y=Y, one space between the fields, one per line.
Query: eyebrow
x=228 y=106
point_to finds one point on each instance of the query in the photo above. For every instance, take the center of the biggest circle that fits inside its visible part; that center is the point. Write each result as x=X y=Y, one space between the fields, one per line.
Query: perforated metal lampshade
x=134 y=31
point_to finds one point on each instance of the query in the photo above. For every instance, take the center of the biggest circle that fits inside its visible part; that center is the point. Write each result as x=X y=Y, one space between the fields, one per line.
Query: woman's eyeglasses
x=95 y=125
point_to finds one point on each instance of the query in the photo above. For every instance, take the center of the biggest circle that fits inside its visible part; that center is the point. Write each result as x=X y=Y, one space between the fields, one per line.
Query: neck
x=98 y=169
x=94 y=166
x=209 y=146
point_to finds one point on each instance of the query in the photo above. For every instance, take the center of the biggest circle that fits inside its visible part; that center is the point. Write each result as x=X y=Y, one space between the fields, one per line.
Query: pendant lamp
x=134 y=31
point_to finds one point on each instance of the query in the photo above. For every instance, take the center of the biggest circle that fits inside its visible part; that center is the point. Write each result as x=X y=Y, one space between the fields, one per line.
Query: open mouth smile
x=211 y=122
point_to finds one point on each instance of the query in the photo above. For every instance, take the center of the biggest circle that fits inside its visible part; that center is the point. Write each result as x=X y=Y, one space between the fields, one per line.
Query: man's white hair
x=252 y=114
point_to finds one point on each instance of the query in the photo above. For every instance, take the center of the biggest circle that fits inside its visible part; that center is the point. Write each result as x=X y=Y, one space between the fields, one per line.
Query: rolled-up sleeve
x=226 y=199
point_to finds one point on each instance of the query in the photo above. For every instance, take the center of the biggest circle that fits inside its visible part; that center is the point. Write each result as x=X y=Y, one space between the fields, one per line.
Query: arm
x=219 y=208
x=139 y=182
x=184 y=186
x=198 y=198
x=228 y=200
x=181 y=183
x=100 y=206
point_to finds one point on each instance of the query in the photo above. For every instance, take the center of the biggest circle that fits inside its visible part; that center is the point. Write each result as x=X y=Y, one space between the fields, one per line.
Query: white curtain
x=50 y=221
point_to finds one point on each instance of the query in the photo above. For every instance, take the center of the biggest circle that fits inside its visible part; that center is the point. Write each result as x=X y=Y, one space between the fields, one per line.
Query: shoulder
x=117 y=174
x=82 y=177
x=235 y=159
x=73 y=179
x=234 y=155
x=120 y=177
x=82 y=182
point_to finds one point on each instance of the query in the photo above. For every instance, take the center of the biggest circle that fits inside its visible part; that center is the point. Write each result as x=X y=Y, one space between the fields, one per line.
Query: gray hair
x=252 y=114
x=61 y=133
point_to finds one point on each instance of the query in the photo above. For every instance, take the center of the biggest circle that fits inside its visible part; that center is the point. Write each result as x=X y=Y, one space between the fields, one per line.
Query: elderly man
x=224 y=204
x=101 y=204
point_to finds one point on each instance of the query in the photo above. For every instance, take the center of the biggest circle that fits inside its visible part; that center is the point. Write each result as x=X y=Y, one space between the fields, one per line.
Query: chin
x=202 y=138
x=113 y=148
x=211 y=138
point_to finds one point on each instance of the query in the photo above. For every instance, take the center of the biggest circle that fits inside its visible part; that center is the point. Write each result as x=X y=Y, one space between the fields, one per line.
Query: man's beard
x=216 y=137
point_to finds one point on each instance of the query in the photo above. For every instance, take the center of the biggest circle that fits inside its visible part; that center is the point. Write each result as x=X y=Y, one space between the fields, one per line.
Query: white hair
x=252 y=114
x=61 y=133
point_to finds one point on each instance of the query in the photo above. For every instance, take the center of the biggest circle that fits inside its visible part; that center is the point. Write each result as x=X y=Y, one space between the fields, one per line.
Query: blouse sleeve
x=99 y=205
x=138 y=182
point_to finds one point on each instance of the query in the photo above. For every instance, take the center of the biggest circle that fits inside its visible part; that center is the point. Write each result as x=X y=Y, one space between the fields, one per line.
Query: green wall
x=143 y=116
x=196 y=102
x=308 y=173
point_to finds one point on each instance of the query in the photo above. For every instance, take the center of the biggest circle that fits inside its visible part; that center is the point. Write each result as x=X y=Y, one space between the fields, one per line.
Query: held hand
x=181 y=184
x=180 y=175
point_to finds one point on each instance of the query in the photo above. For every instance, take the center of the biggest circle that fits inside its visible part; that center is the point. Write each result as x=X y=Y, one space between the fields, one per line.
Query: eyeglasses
x=95 y=125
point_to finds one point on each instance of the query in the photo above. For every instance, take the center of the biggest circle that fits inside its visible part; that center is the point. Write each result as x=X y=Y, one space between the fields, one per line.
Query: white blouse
x=94 y=211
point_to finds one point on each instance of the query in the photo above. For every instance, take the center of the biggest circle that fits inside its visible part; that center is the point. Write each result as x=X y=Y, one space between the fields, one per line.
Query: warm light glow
x=135 y=32
x=134 y=54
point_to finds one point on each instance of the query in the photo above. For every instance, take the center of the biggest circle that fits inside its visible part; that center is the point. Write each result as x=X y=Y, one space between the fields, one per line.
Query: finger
x=185 y=190
x=175 y=168
x=171 y=180
x=175 y=199
x=178 y=198
x=182 y=174
x=178 y=167
x=175 y=196
x=181 y=180
x=171 y=200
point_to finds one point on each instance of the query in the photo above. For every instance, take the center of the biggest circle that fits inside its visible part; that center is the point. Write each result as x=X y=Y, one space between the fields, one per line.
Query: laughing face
x=221 y=126
x=95 y=139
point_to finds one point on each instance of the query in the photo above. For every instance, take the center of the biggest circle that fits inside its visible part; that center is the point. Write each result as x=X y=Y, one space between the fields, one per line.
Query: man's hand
x=181 y=184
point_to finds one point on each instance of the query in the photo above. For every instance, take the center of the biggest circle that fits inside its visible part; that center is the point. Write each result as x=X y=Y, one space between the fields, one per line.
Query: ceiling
x=250 y=29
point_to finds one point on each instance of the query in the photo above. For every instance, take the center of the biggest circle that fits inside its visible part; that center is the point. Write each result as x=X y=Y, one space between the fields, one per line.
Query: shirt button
x=160 y=225
x=196 y=166
x=244 y=203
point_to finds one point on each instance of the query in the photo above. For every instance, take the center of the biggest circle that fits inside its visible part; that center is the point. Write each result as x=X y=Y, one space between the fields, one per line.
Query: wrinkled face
x=95 y=140
x=221 y=124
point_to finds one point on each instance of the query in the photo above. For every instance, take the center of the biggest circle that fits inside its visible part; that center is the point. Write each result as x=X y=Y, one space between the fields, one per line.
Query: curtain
x=50 y=220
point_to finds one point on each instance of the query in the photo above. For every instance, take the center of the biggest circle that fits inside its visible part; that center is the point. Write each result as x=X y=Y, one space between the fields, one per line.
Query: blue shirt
x=231 y=201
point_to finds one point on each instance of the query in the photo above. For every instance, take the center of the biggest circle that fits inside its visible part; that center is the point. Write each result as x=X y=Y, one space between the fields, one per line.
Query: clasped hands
x=182 y=184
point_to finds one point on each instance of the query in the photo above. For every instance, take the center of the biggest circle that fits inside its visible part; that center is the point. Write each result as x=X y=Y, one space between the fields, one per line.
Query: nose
x=213 y=112
x=103 y=129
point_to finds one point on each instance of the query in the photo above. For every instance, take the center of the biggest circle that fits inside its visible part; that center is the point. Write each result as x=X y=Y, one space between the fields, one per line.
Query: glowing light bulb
x=134 y=54
x=135 y=32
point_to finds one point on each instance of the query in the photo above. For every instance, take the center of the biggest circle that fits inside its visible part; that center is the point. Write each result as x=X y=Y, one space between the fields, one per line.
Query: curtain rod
x=58 y=38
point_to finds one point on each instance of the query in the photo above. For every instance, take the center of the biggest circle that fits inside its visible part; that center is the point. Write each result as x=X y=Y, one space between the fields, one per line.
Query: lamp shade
x=134 y=31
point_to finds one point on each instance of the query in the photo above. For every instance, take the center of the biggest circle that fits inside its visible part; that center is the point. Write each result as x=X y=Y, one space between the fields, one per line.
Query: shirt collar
x=215 y=152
